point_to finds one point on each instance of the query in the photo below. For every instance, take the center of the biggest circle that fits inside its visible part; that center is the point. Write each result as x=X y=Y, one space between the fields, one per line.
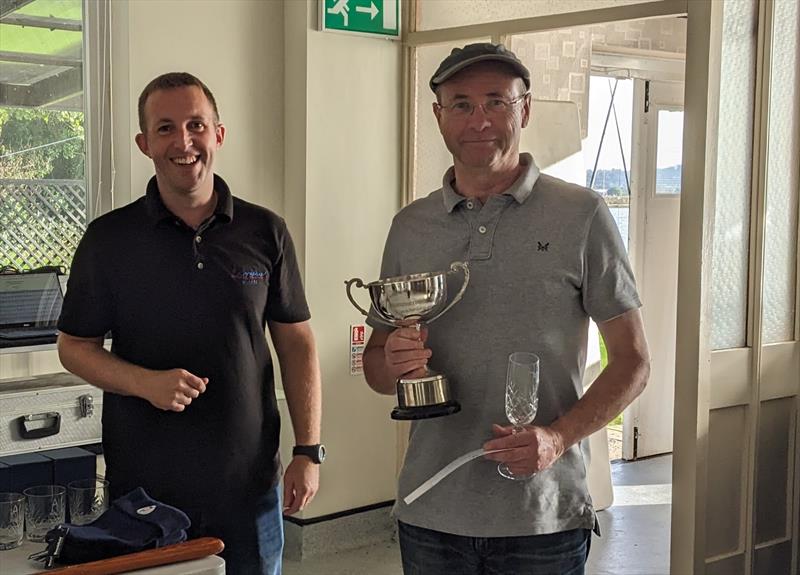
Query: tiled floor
x=636 y=528
x=635 y=531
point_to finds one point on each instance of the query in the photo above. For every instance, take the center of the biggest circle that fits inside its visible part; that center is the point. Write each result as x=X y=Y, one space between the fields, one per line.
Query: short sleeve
x=609 y=288
x=286 y=301
x=87 y=309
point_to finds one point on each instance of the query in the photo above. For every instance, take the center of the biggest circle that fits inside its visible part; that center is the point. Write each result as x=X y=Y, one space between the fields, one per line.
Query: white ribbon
x=445 y=471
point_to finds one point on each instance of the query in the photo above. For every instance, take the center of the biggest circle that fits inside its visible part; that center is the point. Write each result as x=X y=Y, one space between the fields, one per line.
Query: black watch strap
x=315 y=453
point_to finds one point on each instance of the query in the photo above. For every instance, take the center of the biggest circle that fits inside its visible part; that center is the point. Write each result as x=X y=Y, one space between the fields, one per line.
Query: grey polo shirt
x=544 y=257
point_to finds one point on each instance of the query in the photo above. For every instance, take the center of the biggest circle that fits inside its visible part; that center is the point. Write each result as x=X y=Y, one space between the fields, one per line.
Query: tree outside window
x=43 y=192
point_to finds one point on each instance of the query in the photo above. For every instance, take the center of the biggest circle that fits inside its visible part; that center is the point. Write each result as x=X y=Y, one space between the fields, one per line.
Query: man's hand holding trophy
x=416 y=299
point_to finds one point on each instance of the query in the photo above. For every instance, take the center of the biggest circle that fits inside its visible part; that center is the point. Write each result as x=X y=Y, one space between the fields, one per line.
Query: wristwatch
x=315 y=453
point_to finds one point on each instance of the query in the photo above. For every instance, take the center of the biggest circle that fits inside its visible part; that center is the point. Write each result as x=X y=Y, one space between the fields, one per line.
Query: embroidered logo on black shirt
x=543 y=246
x=250 y=277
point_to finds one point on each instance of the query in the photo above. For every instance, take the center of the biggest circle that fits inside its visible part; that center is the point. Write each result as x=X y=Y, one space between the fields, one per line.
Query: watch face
x=315 y=452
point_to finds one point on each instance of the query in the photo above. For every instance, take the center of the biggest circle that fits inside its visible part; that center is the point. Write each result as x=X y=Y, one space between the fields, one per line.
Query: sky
x=670 y=130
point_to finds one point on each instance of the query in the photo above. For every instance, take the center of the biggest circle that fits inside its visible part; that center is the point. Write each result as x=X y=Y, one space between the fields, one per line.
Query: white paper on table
x=445 y=471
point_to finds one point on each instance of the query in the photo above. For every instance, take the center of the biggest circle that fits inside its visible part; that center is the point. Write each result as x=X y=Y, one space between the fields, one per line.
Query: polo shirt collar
x=519 y=190
x=158 y=212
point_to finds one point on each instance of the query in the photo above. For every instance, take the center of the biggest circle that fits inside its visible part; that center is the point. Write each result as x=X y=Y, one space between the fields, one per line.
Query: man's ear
x=141 y=142
x=437 y=111
x=219 y=130
x=526 y=110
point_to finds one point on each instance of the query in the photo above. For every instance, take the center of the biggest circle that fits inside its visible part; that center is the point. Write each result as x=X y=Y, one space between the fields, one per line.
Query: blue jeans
x=254 y=539
x=427 y=552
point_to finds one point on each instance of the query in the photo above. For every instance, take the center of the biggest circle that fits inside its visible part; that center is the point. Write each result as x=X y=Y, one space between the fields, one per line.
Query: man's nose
x=183 y=138
x=478 y=119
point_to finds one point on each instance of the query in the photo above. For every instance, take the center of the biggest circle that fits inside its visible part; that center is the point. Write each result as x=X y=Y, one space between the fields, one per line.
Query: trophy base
x=426 y=411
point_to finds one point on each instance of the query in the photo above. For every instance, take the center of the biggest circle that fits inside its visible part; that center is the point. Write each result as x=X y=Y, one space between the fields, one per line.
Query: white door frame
x=692 y=375
x=643 y=166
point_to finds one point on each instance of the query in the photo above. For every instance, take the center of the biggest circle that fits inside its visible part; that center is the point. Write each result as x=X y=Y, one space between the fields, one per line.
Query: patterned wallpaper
x=560 y=61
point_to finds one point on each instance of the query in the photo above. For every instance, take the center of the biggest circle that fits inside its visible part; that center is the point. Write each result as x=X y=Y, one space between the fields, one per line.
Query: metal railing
x=41 y=221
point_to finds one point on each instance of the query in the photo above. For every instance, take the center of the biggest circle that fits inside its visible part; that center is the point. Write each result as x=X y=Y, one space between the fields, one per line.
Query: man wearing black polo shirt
x=186 y=278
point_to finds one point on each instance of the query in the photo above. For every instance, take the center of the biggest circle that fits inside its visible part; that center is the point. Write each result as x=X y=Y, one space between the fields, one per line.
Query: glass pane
x=434 y=14
x=669 y=151
x=607 y=147
x=729 y=269
x=560 y=60
x=780 y=240
x=42 y=183
x=559 y=63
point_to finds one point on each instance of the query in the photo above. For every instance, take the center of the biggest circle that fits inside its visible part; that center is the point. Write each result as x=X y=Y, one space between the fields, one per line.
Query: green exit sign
x=365 y=17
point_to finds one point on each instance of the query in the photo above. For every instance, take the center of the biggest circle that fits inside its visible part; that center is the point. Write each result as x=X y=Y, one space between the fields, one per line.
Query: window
x=44 y=182
x=669 y=152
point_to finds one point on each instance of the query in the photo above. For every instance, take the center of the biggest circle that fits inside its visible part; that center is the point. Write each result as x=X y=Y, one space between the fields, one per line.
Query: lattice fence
x=41 y=221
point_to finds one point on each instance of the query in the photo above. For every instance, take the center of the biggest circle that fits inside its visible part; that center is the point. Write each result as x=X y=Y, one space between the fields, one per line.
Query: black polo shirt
x=174 y=297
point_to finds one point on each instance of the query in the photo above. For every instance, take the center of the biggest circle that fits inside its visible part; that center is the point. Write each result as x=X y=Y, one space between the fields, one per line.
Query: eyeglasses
x=491 y=107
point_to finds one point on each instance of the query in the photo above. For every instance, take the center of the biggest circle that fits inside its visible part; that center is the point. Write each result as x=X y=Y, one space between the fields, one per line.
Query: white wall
x=344 y=189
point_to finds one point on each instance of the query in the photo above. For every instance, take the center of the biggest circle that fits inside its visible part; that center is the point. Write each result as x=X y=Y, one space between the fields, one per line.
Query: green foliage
x=41 y=144
x=615 y=191
x=41 y=222
x=603 y=353
x=604 y=362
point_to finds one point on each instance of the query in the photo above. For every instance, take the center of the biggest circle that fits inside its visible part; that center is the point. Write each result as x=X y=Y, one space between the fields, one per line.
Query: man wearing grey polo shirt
x=545 y=257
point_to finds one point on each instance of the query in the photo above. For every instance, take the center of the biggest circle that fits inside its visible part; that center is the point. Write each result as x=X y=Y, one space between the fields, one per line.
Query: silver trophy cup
x=409 y=300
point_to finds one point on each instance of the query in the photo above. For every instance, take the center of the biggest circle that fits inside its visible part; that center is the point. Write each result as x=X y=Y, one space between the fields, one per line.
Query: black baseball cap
x=470 y=54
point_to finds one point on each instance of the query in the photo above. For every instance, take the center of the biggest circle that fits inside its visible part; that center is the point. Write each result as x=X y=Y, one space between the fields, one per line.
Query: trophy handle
x=454 y=267
x=359 y=284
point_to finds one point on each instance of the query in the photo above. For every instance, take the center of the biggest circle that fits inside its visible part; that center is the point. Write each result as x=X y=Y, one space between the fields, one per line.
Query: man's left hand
x=529 y=451
x=300 y=484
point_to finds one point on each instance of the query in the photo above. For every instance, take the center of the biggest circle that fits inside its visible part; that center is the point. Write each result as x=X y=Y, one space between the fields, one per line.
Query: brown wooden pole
x=186 y=551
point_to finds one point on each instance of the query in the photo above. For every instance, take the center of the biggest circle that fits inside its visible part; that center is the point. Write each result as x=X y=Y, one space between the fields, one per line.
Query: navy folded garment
x=134 y=522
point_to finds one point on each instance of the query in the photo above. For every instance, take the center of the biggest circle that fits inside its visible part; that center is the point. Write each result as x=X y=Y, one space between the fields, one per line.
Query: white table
x=16 y=562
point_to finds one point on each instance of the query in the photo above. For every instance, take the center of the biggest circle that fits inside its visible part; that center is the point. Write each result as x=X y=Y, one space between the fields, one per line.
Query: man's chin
x=186 y=186
x=479 y=160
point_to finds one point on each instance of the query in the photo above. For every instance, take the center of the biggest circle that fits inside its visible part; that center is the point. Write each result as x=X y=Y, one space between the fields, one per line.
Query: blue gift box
x=5 y=477
x=27 y=470
x=70 y=464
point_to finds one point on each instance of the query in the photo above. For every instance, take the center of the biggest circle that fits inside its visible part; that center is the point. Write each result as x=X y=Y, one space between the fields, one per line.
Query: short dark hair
x=170 y=81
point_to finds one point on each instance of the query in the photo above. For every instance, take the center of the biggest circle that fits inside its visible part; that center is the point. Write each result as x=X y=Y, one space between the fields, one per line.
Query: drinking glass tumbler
x=12 y=520
x=88 y=499
x=44 y=509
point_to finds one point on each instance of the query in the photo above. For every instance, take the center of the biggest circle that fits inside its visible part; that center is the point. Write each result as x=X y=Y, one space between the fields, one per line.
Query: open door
x=658 y=130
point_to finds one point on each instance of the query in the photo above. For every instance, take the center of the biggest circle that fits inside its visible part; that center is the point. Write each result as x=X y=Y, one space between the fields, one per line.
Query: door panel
x=736 y=414
x=661 y=132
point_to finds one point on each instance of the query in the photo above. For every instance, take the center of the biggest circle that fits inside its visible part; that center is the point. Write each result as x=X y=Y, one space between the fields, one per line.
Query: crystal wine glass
x=522 y=385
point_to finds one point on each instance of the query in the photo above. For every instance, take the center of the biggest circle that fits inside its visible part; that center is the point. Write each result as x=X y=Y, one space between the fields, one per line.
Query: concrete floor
x=635 y=531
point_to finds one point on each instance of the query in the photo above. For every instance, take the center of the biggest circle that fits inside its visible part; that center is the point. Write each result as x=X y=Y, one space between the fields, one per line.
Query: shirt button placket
x=197 y=239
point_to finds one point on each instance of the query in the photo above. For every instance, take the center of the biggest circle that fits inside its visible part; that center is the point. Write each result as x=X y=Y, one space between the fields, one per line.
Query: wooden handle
x=186 y=551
